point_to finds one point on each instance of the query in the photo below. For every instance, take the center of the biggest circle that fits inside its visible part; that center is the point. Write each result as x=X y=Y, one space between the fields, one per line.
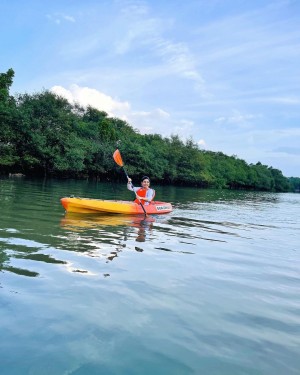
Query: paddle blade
x=117 y=158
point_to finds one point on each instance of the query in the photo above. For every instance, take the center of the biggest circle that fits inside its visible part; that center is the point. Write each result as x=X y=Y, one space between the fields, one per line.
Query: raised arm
x=130 y=186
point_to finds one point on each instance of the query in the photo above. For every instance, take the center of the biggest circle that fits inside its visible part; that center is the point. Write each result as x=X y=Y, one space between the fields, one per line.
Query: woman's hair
x=145 y=178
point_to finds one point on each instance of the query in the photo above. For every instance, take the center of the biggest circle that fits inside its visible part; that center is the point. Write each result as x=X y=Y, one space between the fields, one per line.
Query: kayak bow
x=87 y=205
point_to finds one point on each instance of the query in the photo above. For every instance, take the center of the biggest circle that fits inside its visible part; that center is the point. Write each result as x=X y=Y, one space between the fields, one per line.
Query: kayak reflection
x=79 y=222
x=107 y=236
x=75 y=221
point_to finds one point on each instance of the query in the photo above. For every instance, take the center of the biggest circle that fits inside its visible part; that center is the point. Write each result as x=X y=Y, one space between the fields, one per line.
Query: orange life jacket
x=141 y=193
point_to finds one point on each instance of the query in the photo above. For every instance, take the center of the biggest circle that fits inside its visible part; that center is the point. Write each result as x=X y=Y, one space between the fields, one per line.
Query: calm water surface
x=212 y=288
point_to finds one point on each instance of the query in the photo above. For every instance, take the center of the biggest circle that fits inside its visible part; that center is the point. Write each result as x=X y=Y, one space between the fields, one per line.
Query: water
x=212 y=288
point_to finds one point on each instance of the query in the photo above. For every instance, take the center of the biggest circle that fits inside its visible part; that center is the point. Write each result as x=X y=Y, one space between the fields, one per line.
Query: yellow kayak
x=87 y=205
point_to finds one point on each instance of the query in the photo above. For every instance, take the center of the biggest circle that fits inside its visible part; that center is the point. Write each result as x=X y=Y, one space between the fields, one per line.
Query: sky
x=225 y=73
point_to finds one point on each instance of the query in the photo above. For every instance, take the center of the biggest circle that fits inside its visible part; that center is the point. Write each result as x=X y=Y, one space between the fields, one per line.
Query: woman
x=143 y=194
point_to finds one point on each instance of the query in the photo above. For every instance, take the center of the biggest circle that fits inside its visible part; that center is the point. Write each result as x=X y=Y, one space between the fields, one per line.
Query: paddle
x=118 y=159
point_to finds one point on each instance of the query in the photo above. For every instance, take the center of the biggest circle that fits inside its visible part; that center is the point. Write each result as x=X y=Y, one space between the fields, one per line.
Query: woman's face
x=145 y=183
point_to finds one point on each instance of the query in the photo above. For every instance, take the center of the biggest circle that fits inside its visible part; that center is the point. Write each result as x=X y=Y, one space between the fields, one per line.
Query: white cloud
x=201 y=143
x=154 y=121
x=136 y=8
x=69 y=18
x=58 y=18
x=144 y=31
x=61 y=91
x=86 y=96
x=237 y=118
x=157 y=113
x=183 y=128
x=282 y=100
x=179 y=59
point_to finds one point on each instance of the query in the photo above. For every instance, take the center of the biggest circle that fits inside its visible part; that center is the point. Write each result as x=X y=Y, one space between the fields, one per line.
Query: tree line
x=42 y=134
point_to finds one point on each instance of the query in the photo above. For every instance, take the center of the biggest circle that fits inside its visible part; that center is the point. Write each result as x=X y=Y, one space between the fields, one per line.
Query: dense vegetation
x=43 y=134
x=295 y=184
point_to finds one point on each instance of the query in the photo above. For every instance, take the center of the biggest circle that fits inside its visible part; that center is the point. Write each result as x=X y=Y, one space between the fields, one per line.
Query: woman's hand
x=143 y=198
x=129 y=180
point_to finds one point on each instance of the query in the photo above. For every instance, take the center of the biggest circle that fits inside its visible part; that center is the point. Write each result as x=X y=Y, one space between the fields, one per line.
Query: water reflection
x=79 y=222
x=7 y=256
x=185 y=198
x=112 y=230
x=145 y=227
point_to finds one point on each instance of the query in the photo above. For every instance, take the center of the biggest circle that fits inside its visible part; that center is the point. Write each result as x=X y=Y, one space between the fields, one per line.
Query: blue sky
x=224 y=72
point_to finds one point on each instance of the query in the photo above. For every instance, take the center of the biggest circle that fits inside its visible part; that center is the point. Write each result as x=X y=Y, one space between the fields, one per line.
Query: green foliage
x=8 y=116
x=6 y=80
x=295 y=184
x=43 y=134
